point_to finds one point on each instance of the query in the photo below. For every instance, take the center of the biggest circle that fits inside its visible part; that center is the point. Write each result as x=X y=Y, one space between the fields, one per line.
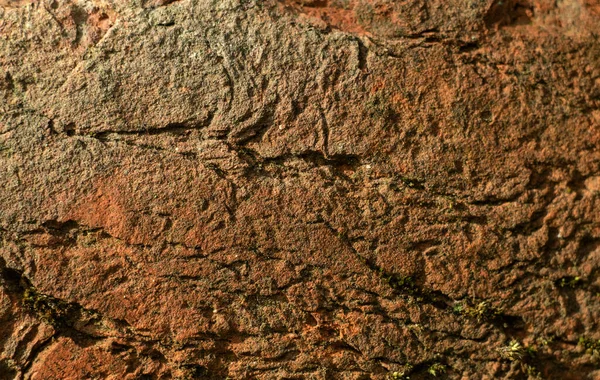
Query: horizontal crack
x=69 y=230
x=339 y=162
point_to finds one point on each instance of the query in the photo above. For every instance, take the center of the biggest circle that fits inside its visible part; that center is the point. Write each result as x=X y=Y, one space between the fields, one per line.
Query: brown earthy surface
x=262 y=189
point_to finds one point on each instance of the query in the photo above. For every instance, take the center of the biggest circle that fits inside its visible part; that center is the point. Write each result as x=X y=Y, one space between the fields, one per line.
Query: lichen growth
x=513 y=352
x=48 y=309
x=591 y=345
x=569 y=282
x=481 y=311
x=436 y=369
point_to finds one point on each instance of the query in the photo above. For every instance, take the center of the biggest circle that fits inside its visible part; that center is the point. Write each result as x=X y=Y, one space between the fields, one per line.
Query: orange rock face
x=332 y=189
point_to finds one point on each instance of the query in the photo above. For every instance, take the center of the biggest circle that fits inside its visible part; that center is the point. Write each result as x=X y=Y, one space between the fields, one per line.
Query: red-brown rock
x=332 y=189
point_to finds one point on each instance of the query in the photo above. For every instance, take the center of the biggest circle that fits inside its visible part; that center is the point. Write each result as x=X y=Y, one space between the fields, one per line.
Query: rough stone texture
x=317 y=189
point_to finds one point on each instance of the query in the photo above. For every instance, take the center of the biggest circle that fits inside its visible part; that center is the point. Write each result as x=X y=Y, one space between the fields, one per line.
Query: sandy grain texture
x=318 y=189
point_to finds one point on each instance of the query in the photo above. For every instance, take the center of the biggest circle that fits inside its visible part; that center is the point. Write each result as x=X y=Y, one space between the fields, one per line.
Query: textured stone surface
x=317 y=189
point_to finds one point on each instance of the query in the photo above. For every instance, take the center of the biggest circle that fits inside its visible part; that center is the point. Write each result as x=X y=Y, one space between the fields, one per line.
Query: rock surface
x=308 y=189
